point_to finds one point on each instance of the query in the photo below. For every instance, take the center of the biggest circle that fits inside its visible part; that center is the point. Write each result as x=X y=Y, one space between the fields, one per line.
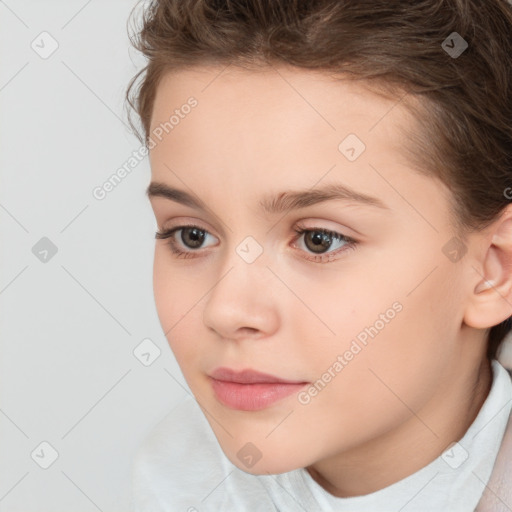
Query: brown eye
x=322 y=245
x=192 y=237
x=318 y=241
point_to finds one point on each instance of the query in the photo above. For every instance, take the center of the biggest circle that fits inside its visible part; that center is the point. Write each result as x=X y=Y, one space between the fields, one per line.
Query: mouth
x=250 y=390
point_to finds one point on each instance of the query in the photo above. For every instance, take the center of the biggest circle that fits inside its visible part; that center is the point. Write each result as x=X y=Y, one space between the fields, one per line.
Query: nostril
x=249 y=330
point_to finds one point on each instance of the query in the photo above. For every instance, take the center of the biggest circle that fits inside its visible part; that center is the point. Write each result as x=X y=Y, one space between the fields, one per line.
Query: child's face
x=290 y=311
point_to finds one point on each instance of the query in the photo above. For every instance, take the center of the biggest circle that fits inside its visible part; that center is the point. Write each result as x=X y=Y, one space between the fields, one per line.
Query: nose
x=240 y=304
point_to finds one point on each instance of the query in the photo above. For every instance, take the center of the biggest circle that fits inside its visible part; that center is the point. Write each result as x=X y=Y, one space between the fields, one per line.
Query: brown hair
x=461 y=102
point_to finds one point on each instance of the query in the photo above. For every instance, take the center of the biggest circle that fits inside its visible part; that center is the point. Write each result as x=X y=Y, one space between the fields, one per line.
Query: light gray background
x=69 y=325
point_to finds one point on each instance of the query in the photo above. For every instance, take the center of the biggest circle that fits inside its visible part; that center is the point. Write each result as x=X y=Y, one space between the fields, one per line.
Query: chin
x=276 y=464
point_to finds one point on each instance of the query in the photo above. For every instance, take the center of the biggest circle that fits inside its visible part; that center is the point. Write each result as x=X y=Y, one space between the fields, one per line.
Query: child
x=331 y=180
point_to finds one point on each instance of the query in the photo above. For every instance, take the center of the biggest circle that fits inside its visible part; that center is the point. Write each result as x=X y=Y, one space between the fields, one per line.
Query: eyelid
x=313 y=223
x=299 y=225
x=184 y=221
x=168 y=232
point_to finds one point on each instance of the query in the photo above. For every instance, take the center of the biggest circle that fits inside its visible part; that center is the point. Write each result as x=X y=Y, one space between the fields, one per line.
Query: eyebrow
x=275 y=204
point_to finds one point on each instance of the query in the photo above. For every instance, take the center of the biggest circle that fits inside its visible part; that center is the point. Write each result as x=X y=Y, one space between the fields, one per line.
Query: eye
x=323 y=243
x=191 y=237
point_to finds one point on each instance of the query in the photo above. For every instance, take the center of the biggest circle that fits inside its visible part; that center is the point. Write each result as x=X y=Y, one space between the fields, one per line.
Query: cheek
x=176 y=297
x=407 y=356
x=395 y=338
x=354 y=304
x=377 y=382
x=165 y=289
x=176 y=287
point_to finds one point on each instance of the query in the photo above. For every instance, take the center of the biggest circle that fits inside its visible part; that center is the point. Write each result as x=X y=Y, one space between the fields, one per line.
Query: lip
x=248 y=376
x=250 y=390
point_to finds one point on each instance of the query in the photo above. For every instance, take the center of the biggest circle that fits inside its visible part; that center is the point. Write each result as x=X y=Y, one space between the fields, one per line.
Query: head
x=345 y=170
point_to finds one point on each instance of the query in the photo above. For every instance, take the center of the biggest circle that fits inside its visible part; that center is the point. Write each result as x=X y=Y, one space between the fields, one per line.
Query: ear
x=491 y=298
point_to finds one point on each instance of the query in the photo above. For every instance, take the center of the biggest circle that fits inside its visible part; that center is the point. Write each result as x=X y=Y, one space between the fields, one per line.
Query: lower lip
x=252 y=397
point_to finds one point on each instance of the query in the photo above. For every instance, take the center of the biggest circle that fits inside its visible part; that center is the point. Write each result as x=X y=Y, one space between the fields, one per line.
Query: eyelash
x=350 y=244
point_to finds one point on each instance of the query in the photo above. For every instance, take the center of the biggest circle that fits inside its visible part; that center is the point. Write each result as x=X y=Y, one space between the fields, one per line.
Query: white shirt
x=181 y=467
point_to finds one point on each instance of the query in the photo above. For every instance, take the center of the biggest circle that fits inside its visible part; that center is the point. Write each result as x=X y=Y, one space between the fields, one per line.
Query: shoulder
x=177 y=461
x=177 y=433
x=180 y=466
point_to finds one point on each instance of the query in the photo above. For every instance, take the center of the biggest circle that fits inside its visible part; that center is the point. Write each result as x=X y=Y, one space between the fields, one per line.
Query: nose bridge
x=245 y=261
x=237 y=300
x=241 y=275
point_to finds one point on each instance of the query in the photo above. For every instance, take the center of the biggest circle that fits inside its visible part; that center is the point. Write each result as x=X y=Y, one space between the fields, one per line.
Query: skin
x=415 y=387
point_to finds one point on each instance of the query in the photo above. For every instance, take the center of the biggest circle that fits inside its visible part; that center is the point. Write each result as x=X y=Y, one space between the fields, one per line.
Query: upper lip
x=248 y=376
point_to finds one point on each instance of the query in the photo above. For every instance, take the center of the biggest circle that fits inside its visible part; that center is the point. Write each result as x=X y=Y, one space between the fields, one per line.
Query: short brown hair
x=462 y=102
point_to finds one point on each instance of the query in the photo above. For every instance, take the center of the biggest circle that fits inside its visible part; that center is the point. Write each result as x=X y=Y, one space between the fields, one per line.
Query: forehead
x=283 y=128
x=313 y=95
x=273 y=113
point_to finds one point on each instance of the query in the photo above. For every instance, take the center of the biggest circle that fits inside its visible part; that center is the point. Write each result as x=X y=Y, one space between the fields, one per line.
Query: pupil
x=194 y=239
x=319 y=241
